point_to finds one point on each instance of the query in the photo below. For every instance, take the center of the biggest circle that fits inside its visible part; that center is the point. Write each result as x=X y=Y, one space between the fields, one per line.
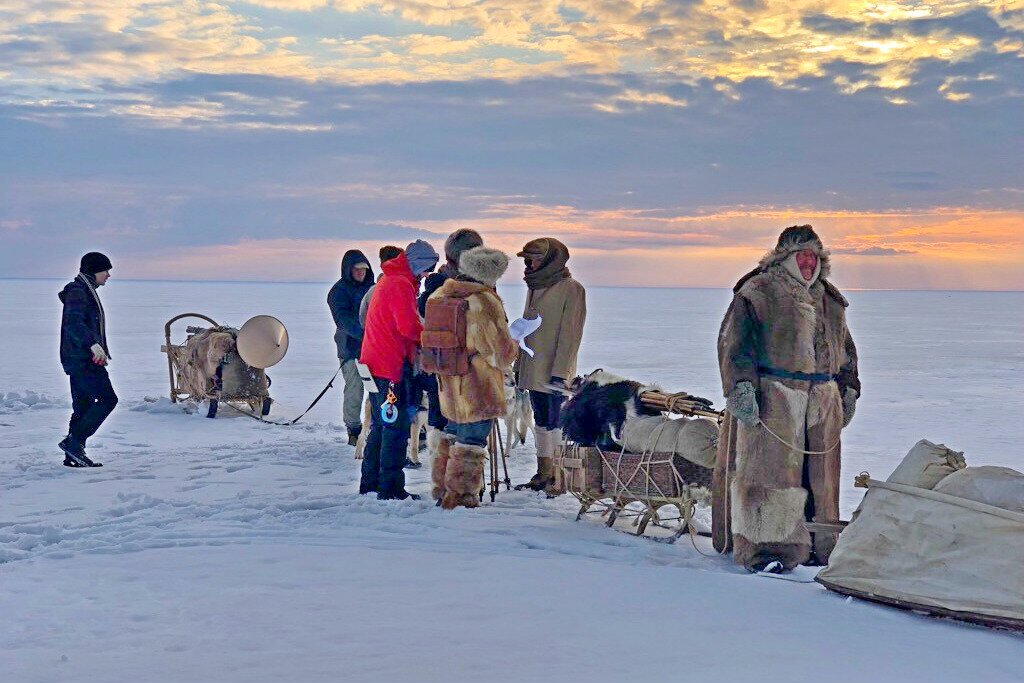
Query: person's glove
x=849 y=405
x=742 y=404
x=558 y=382
x=99 y=356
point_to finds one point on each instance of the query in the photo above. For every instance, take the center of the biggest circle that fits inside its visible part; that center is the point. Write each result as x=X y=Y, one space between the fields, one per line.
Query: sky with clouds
x=667 y=142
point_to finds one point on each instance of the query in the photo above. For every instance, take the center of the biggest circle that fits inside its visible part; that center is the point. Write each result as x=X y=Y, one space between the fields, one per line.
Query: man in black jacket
x=84 y=354
x=344 y=299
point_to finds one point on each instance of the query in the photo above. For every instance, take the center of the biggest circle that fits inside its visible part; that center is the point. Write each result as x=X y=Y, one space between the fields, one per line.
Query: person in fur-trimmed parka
x=472 y=401
x=789 y=373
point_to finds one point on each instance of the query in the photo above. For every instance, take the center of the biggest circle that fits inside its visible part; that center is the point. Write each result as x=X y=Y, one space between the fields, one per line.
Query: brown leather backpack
x=443 y=340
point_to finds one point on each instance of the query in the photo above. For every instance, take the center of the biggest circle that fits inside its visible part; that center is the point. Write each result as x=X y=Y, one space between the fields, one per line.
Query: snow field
x=230 y=550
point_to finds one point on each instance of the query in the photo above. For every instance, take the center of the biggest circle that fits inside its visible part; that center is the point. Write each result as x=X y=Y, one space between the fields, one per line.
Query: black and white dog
x=598 y=407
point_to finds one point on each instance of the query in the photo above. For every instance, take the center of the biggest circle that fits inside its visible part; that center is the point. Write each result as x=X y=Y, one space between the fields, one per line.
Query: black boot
x=74 y=452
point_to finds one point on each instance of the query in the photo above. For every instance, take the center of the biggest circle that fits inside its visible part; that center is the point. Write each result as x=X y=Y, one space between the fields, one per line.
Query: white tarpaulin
x=696 y=439
x=922 y=548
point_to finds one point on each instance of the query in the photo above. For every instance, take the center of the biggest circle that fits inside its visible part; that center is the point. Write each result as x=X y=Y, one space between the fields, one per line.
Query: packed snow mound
x=14 y=402
x=998 y=486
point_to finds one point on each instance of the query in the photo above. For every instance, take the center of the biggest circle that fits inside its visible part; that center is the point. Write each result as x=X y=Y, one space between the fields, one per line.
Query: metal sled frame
x=616 y=502
x=175 y=360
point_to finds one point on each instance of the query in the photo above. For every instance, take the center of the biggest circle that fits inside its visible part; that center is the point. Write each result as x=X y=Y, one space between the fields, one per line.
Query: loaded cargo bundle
x=937 y=537
x=633 y=449
x=222 y=364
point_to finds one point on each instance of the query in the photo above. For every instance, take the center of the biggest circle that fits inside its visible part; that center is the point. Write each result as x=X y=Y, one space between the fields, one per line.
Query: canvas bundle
x=695 y=439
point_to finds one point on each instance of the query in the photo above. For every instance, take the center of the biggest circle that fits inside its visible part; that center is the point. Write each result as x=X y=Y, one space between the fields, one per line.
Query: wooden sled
x=235 y=382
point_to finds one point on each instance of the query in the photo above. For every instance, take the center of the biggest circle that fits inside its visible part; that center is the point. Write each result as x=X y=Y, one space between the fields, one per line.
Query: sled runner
x=222 y=364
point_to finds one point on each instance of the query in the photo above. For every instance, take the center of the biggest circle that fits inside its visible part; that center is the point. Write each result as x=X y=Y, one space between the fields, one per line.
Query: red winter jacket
x=393 y=325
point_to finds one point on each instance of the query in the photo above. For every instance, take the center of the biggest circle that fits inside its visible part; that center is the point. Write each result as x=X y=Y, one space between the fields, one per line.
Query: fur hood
x=483 y=264
x=797 y=238
x=793 y=239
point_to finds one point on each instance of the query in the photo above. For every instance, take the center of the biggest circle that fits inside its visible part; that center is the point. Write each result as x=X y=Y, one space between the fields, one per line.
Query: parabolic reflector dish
x=262 y=341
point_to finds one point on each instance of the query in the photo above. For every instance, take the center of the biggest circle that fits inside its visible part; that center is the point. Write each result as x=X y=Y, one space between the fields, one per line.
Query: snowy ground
x=230 y=550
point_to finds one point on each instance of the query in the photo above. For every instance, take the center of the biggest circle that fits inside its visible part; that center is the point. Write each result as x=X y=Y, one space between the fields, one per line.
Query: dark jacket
x=81 y=325
x=344 y=299
x=431 y=284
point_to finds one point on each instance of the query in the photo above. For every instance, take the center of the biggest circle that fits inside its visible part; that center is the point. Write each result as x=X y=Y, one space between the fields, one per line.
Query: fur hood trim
x=483 y=264
x=797 y=238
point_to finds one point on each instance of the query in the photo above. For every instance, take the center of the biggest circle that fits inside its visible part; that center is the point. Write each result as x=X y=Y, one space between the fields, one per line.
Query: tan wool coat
x=563 y=307
x=480 y=394
x=777 y=322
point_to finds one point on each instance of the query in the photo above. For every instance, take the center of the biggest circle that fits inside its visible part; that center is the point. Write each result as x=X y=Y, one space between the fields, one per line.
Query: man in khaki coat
x=561 y=302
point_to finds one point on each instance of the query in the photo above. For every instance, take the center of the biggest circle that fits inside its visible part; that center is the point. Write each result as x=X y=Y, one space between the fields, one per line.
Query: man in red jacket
x=390 y=339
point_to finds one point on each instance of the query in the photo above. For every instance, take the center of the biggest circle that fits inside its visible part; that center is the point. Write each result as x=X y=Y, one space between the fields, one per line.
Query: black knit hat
x=94 y=262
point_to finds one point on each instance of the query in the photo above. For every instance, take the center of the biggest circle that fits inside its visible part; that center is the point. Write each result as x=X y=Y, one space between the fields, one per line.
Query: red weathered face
x=359 y=274
x=806 y=261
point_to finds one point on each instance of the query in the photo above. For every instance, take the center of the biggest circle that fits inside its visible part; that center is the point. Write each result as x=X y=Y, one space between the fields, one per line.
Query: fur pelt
x=483 y=265
x=480 y=394
x=364 y=433
x=439 y=465
x=518 y=416
x=464 y=476
x=775 y=321
x=416 y=427
x=599 y=406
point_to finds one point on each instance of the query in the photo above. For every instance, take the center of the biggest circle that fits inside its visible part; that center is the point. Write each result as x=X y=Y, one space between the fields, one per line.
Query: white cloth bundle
x=998 y=486
x=696 y=439
x=926 y=465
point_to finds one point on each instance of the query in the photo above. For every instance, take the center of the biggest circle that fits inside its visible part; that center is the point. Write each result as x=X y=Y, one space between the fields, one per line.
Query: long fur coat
x=480 y=394
x=776 y=321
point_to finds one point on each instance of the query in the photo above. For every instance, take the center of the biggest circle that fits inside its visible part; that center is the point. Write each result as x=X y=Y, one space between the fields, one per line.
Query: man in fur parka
x=789 y=373
x=472 y=401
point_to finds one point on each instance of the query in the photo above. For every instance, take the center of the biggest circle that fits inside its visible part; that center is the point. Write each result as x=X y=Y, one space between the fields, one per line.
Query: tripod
x=496 y=451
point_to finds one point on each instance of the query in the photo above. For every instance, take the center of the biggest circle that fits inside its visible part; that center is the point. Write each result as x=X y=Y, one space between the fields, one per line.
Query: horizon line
x=516 y=284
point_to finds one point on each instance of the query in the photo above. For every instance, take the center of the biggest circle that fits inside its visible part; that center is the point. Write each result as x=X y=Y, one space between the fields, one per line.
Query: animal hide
x=777 y=322
x=479 y=394
x=598 y=409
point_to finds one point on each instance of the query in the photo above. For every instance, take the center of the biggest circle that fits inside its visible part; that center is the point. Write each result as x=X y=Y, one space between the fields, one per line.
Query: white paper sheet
x=521 y=328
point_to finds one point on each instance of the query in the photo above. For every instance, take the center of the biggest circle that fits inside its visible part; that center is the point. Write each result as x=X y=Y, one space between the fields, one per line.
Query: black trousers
x=546 y=409
x=384 y=455
x=92 y=400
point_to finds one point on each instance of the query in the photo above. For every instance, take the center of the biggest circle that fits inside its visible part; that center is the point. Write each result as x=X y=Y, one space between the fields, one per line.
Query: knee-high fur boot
x=464 y=476
x=440 y=449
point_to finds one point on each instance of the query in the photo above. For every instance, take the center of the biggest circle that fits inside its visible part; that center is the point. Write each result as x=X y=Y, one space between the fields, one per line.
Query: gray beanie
x=460 y=241
x=421 y=256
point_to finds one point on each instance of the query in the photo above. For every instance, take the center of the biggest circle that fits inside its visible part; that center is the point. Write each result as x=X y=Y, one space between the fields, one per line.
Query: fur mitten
x=742 y=404
x=849 y=405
